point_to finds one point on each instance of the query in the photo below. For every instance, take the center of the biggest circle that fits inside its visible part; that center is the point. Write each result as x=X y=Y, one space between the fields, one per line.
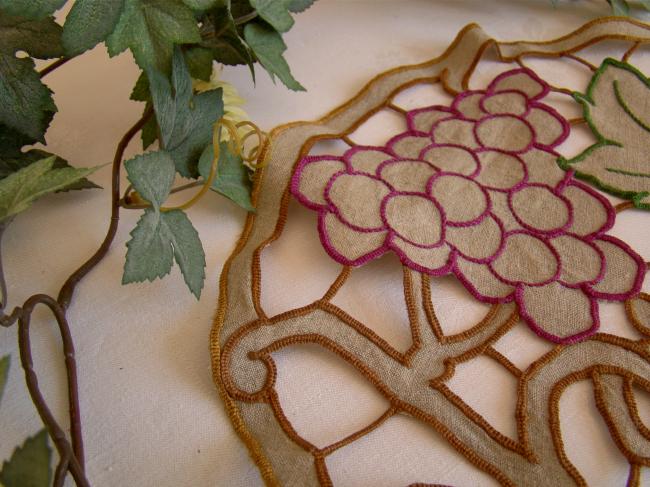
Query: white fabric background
x=151 y=413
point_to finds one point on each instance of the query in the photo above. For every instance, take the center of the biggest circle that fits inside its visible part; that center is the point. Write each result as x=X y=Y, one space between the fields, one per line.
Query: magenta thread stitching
x=460 y=119
x=521 y=183
x=638 y=279
x=492 y=87
x=295 y=181
x=331 y=250
x=332 y=207
x=391 y=230
x=601 y=256
x=411 y=115
x=553 y=232
x=496 y=254
x=533 y=135
x=452 y=255
x=530 y=321
x=487 y=202
x=488 y=96
x=558 y=263
x=428 y=149
x=566 y=128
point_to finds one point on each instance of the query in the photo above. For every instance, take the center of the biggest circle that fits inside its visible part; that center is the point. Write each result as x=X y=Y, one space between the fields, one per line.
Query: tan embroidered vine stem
x=244 y=337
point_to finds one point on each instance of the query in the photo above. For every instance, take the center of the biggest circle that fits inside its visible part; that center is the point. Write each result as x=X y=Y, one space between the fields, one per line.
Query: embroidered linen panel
x=481 y=189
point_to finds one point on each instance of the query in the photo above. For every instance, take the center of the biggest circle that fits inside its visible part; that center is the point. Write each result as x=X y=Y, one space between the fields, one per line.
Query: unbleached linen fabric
x=152 y=416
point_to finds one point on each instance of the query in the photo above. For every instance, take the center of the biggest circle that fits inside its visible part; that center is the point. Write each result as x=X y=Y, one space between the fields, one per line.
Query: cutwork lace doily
x=483 y=186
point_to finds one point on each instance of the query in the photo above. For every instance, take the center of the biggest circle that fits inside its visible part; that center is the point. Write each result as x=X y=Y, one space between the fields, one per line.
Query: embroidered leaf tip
x=618 y=161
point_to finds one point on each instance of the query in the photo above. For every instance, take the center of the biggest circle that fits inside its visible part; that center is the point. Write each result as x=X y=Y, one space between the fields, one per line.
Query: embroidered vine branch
x=445 y=196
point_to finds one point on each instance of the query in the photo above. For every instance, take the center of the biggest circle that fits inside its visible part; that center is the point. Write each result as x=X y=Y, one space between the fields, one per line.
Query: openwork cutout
x=479 y=189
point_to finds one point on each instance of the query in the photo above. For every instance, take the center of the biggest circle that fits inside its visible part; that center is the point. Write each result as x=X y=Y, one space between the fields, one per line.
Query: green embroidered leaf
x=20 y=189
x=156 y=241
x=185 y=120
x=31 y=9
x=645 y=3
x=4 y=374
x=27 y=104
x=298 y=6
x=29 y=466
x=150 y=28
x=232 y=179
x=275 y=12
x=268 y=47
x=152 y=176
x=619 y=162
x=89 y=23
x=220 y=35
x=13 y=162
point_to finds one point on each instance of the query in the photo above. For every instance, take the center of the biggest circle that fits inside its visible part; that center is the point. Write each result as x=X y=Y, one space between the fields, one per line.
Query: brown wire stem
x=65 y=295
x=72 y=457
x=51 y=67
x=71 y=453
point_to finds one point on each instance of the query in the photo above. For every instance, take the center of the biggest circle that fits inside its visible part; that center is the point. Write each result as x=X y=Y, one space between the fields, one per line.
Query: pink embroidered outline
x=391 y=240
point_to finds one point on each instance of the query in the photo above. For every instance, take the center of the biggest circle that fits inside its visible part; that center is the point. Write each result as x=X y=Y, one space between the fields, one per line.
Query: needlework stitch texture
x=478 y=188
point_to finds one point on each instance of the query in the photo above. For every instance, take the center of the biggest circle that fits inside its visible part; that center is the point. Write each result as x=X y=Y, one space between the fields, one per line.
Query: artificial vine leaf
x=620 y=7
x=201 y=4
x=140 y=91
x=618 y=162
x=31 y=9
x=199 y=62
x=39 y=38
x=188 y=251
x=14 y=158
x=150 y=28
x=268 y=47
x=4 y=374
x=160 y=237
x=149 y=133
x=239 y=8
x=10 y=163
x=219 y=34
x=12 y=141
x=29 y=465
x=185 y=120
x=275 y=12
x=152 y=176
x=89 y=23
x=27 y=104
x=232 y=180
x=20 y=189
x=298 y=6
x=149 y=255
